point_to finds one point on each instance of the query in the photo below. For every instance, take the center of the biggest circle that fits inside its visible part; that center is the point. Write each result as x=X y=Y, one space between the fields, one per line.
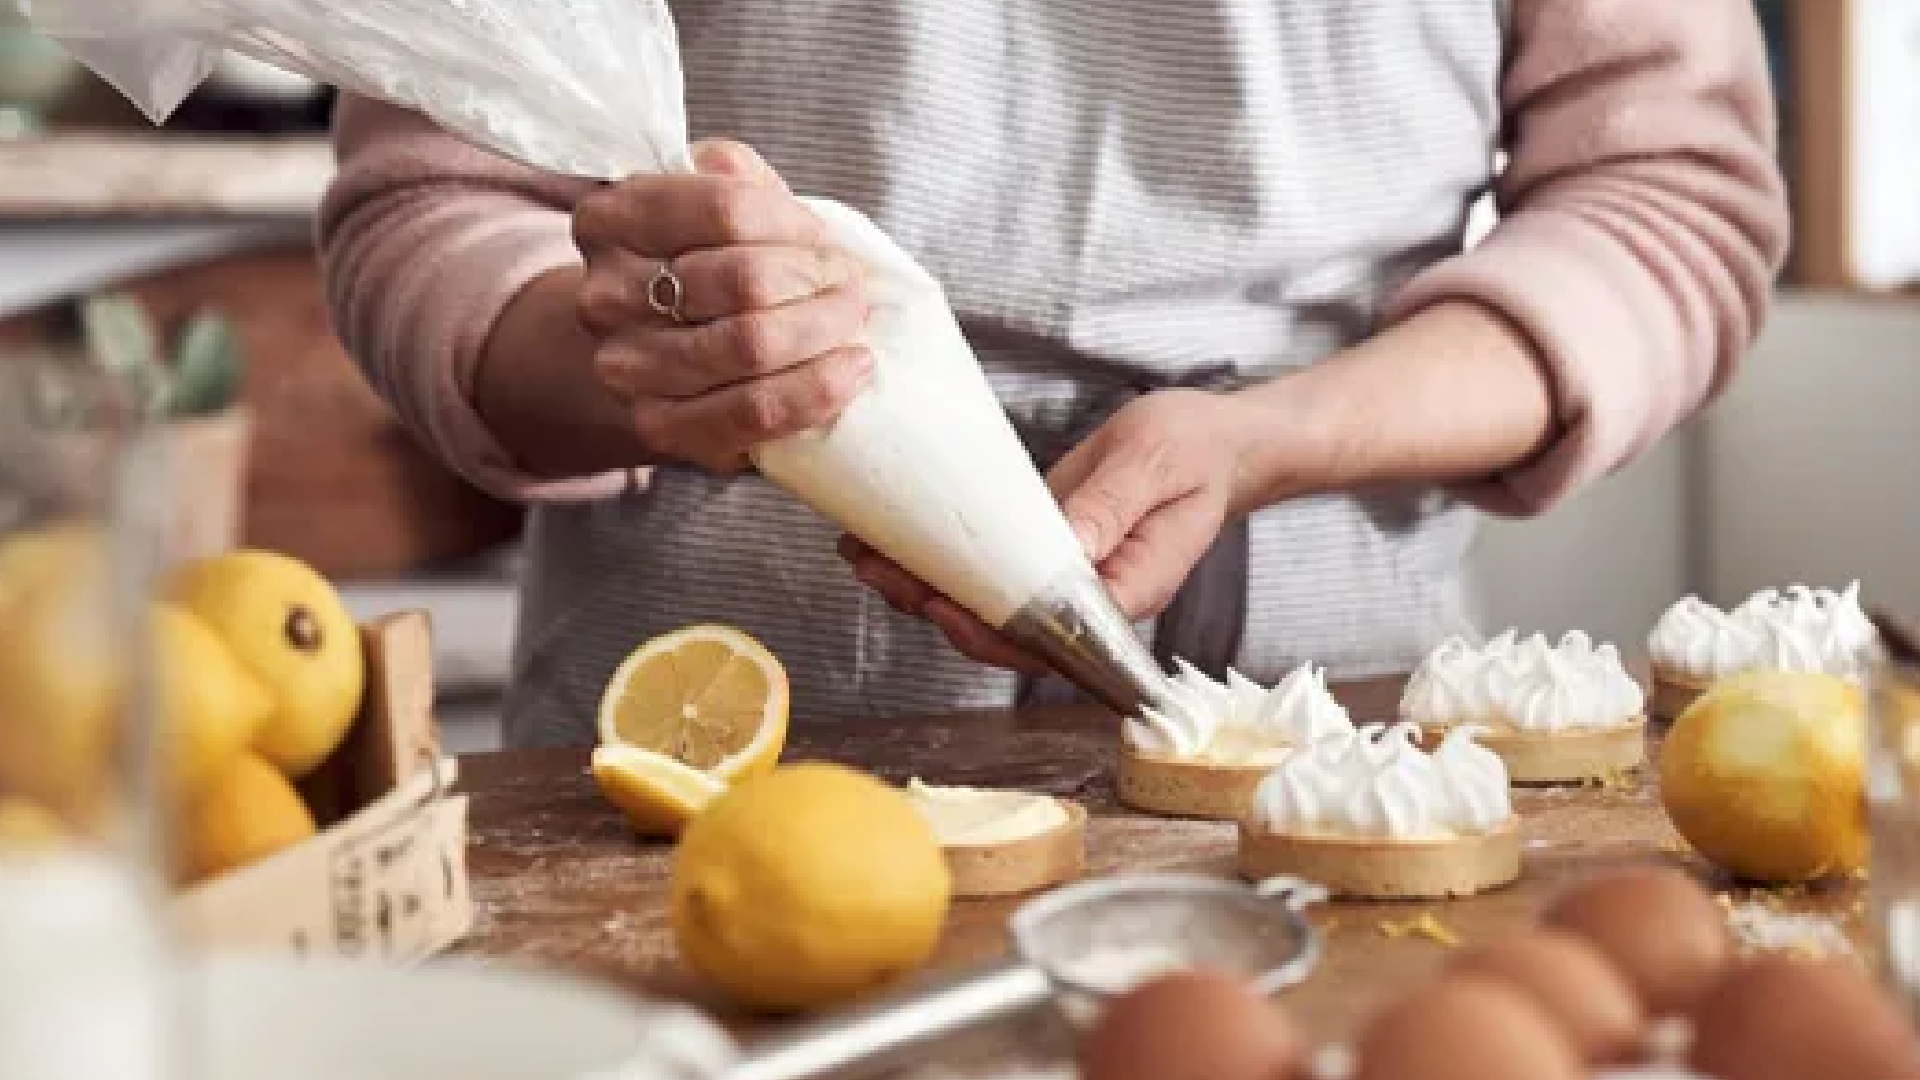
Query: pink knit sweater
x=1643 y=218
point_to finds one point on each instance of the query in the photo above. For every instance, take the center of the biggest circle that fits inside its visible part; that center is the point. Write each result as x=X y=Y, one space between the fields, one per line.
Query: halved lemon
x=708 y=697
x=657 y=794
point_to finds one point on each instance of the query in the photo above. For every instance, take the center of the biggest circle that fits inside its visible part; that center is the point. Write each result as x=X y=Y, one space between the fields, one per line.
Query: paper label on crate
x=394 y=890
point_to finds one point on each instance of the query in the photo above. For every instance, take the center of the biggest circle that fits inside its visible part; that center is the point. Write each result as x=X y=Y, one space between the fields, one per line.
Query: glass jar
x=84 y=965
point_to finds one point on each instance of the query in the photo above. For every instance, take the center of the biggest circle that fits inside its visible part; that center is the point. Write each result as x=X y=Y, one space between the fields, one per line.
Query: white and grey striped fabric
x=1104 y=187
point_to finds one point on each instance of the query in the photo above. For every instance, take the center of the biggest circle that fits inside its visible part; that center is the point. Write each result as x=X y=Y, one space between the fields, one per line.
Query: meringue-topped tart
x=1203 y=756
x=1370 y=815
x=1798 y=629
x=999 y=842
x=1553 y=711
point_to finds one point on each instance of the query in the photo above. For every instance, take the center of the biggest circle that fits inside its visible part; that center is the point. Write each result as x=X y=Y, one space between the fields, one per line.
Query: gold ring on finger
x=667 y=294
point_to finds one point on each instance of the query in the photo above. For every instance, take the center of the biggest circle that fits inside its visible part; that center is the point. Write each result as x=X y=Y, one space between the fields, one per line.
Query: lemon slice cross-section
x=710 y=697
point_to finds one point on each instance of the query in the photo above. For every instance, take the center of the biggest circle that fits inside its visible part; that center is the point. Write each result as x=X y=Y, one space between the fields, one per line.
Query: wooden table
x=559 y=880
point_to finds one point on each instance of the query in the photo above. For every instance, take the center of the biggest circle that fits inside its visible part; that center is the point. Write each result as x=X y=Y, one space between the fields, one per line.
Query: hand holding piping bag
x=1147 y=493
x=723 y=314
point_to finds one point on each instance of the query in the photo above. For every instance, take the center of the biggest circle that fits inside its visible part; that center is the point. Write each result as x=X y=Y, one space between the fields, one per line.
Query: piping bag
x=923 y=465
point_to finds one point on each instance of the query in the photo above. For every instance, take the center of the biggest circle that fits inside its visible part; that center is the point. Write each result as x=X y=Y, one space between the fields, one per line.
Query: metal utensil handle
x=874 y=1035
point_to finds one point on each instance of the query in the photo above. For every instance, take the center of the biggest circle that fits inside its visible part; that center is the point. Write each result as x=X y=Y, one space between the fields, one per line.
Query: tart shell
x=1382 y=868
x=1028 y=864
x=1176 y=787
x=1536 y=757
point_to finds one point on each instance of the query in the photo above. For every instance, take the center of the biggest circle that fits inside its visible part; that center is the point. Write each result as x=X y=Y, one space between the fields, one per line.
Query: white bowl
x=306 y=1019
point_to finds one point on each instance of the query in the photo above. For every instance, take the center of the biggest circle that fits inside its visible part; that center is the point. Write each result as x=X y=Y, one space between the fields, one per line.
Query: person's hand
x=769 y=308
x=1147 y=494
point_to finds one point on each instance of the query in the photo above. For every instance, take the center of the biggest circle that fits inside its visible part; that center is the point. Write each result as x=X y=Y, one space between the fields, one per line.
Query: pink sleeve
x=1643 y=218
x=424 y=240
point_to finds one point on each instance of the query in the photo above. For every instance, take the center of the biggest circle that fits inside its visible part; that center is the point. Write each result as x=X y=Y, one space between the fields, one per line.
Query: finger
x=725 y=157
x=978 y=641
x=613 y=293
x=715 y=428
x=755 y=344
x=1149 y=565
x=664 y=216
x=1075 y=466
x=689 y=361
x=635 y=366
x=720 y=282
x=852 y=548
x=907 y=594
x=1120 y=484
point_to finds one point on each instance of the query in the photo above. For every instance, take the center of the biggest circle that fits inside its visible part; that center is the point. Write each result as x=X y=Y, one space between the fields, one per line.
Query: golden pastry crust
x=1385 y=868
x=1548 y=757
x=1028 y=864
x=1178 y=787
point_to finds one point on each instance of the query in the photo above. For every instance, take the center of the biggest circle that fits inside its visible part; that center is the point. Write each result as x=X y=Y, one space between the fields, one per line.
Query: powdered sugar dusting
x=1760 y=928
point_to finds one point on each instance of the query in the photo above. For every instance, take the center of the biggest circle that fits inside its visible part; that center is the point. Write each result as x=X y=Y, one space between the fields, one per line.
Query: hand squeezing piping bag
x=923 y=465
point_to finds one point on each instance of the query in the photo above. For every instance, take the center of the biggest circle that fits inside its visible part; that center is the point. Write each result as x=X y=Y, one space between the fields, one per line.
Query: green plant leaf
x=118 y=333
x=207 y=367
x=120 y=338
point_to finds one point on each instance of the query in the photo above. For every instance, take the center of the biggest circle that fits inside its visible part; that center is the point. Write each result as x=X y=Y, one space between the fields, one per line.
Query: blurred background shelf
x=142 y=175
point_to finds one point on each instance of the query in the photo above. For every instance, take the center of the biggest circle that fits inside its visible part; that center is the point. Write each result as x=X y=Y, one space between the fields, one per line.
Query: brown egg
x=1663 y=932
x=1574 y=983
x=1778 y=1018
x=1466 y=1027
x=1192 y=1026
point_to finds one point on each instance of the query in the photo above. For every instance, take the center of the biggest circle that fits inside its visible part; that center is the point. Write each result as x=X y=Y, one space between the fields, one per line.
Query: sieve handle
x=876 y=1035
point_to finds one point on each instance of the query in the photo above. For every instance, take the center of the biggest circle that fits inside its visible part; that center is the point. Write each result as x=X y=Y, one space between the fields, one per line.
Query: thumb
x=724 y=157
x=1117 y=491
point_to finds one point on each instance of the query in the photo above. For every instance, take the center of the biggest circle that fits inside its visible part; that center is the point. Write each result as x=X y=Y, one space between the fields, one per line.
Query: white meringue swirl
x=1376 y=781
x=1797 y=629
x=1238 y=722
x=1527 y=683
x=1695 y=638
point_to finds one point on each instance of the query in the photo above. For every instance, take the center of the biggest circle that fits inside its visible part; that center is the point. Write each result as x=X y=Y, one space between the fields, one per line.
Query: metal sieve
x=1072 y=948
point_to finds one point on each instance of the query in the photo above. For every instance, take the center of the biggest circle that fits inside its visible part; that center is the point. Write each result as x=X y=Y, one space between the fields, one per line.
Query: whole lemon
x=60 y=681
x=1764 y=774
x=62 y=677
x=212 y=709
x=807 y=886
x=67 y=547
x=289 y=628
x=246 y=814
